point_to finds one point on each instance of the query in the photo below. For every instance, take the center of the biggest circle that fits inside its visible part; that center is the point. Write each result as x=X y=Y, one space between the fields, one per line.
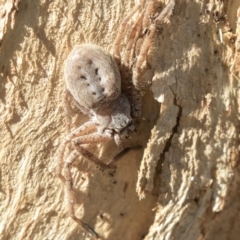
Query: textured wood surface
x=182 y=184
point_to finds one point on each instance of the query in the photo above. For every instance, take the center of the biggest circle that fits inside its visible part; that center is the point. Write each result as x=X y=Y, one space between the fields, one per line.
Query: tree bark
x=183 y=183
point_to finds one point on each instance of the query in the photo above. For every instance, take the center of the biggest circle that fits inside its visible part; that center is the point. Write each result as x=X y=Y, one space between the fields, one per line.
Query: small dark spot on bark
x=196 y=200
x=83 y=77
x=96 y=71
x=111 y=174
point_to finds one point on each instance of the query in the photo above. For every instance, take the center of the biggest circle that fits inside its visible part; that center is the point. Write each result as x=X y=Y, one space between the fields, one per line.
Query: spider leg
x=128 y=60
x=123 y=28
x=66 y=109
x=164 y=15
x=141 y=66
x=128 y=57
x=92 y=138
x=93 y=159
x=66 y=166
x=133 y=37
x=68 y=187
x=63 y=149
x=124 y=151
x=66 y=97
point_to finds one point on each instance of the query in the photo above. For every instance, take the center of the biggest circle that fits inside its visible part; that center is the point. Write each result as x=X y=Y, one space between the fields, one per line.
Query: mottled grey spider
x=109 y=89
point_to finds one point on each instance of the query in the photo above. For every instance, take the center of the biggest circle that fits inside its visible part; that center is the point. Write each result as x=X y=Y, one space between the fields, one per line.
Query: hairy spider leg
x=66 y=175
x=123 y=28
x=128 y=56
x=141 y=66
x=66 y=109
x=68 y=187
x=88 y=126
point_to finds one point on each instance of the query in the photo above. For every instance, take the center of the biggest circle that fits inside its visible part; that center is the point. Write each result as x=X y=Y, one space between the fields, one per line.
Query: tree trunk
x=183 y=183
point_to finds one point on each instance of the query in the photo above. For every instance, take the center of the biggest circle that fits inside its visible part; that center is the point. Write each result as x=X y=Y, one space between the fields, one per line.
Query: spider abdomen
x=92 y=76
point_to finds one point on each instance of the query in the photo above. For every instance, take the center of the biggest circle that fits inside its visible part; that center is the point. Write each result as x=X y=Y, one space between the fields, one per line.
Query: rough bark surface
x=185 y=181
